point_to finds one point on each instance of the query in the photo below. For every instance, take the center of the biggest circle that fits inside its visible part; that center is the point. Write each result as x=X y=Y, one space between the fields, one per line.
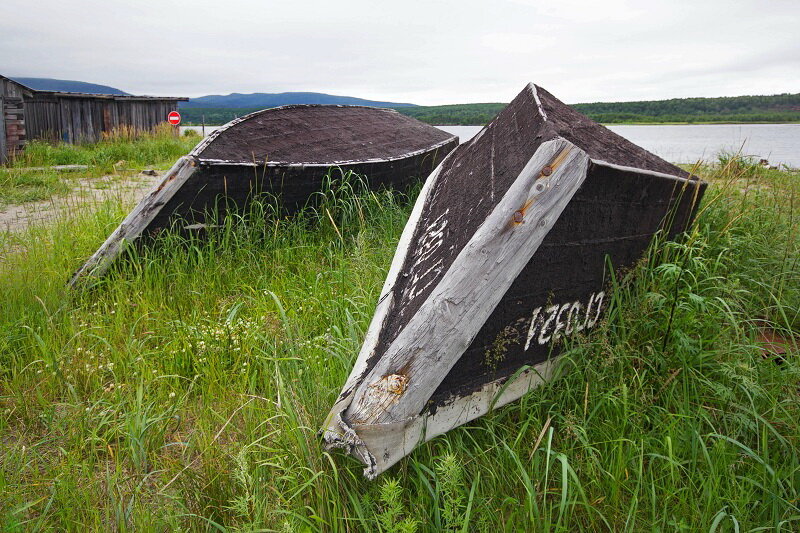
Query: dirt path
x=87 y=193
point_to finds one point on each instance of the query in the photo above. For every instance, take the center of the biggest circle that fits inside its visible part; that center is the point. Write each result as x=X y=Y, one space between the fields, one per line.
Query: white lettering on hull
x=431 y=241
x=556 y=321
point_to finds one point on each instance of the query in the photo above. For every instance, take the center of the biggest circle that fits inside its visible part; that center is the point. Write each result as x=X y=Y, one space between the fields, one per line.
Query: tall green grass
x=186 y=389
x=120 y=150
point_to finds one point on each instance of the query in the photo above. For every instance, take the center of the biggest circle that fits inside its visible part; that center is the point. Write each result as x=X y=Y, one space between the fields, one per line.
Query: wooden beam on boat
x=462 y=301
x=136 y=222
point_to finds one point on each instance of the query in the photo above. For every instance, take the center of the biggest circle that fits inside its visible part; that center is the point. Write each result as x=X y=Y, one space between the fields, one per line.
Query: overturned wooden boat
x=504 y=256
x=284 y=151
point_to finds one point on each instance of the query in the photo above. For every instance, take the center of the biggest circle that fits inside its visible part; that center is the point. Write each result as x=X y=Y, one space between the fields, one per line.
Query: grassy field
x=24 y=180
x=185 y=390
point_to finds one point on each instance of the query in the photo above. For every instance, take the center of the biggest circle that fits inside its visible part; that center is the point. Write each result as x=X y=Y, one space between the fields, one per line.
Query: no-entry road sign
x=174 y=118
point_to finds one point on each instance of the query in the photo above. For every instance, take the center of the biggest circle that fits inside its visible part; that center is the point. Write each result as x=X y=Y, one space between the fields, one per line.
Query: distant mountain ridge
x=70 y=86
x=264 y=100
x=219 y=109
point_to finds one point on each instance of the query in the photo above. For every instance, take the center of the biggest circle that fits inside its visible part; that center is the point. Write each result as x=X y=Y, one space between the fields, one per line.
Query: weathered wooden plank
x=137 y=220
x=14 y=118
x=378 y=418
x=66 y=122
x=3 y=142
x=12 y=90
x=77 y=122
x=106 y=113
x=87 y=112
x=114 y=116
x=54 y=121
x=124 y=113
x=379 y=446
x=459 y=306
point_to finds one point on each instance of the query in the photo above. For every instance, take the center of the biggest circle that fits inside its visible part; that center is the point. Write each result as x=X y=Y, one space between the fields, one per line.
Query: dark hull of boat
x=285 y=153
x=225 y=188
x=564 y=288
x=510 y=249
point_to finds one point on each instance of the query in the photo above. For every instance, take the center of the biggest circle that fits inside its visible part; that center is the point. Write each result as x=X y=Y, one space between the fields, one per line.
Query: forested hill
x=438 y=115
x=265 y=100
x=72 y=86
x=775 y=108
x=219 y=109
x=456 y=114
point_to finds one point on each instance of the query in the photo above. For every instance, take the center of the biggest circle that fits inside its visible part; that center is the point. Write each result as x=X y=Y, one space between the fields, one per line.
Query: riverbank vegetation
x=781 y=108
x=185 y=390
x=29 y=177
x=774 y=109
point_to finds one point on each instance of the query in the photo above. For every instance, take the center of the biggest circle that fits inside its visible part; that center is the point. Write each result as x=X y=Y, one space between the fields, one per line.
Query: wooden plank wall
x=42 y=120
x=79 y=120
x=13 y=117
x=26 y=114
x=3 y=152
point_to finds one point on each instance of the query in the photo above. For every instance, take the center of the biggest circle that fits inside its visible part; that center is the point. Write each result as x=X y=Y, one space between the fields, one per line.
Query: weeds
x=391 y=516
x=185 y=391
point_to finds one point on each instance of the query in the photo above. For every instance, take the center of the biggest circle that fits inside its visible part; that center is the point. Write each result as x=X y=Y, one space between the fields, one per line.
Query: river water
x=688 y=143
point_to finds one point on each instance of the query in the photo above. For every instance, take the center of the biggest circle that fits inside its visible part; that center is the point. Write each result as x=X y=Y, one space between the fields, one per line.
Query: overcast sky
x=425 y=52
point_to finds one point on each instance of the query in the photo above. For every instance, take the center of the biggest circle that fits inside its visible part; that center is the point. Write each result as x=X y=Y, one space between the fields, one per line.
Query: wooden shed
x=27 y=114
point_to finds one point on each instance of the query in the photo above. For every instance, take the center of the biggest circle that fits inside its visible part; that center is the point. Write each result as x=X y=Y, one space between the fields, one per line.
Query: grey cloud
x=427 y=52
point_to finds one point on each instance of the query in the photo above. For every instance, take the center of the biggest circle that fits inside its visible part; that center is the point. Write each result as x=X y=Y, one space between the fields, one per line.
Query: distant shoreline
x=698 y=123
x=695 y=123
x=775 y=109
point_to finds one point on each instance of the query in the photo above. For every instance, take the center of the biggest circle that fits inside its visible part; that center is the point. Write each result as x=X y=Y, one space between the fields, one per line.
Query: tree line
x=773 y=109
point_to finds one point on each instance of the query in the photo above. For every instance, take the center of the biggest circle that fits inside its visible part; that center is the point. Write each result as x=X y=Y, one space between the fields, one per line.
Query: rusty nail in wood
x=546 y=171
x=518 y=216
